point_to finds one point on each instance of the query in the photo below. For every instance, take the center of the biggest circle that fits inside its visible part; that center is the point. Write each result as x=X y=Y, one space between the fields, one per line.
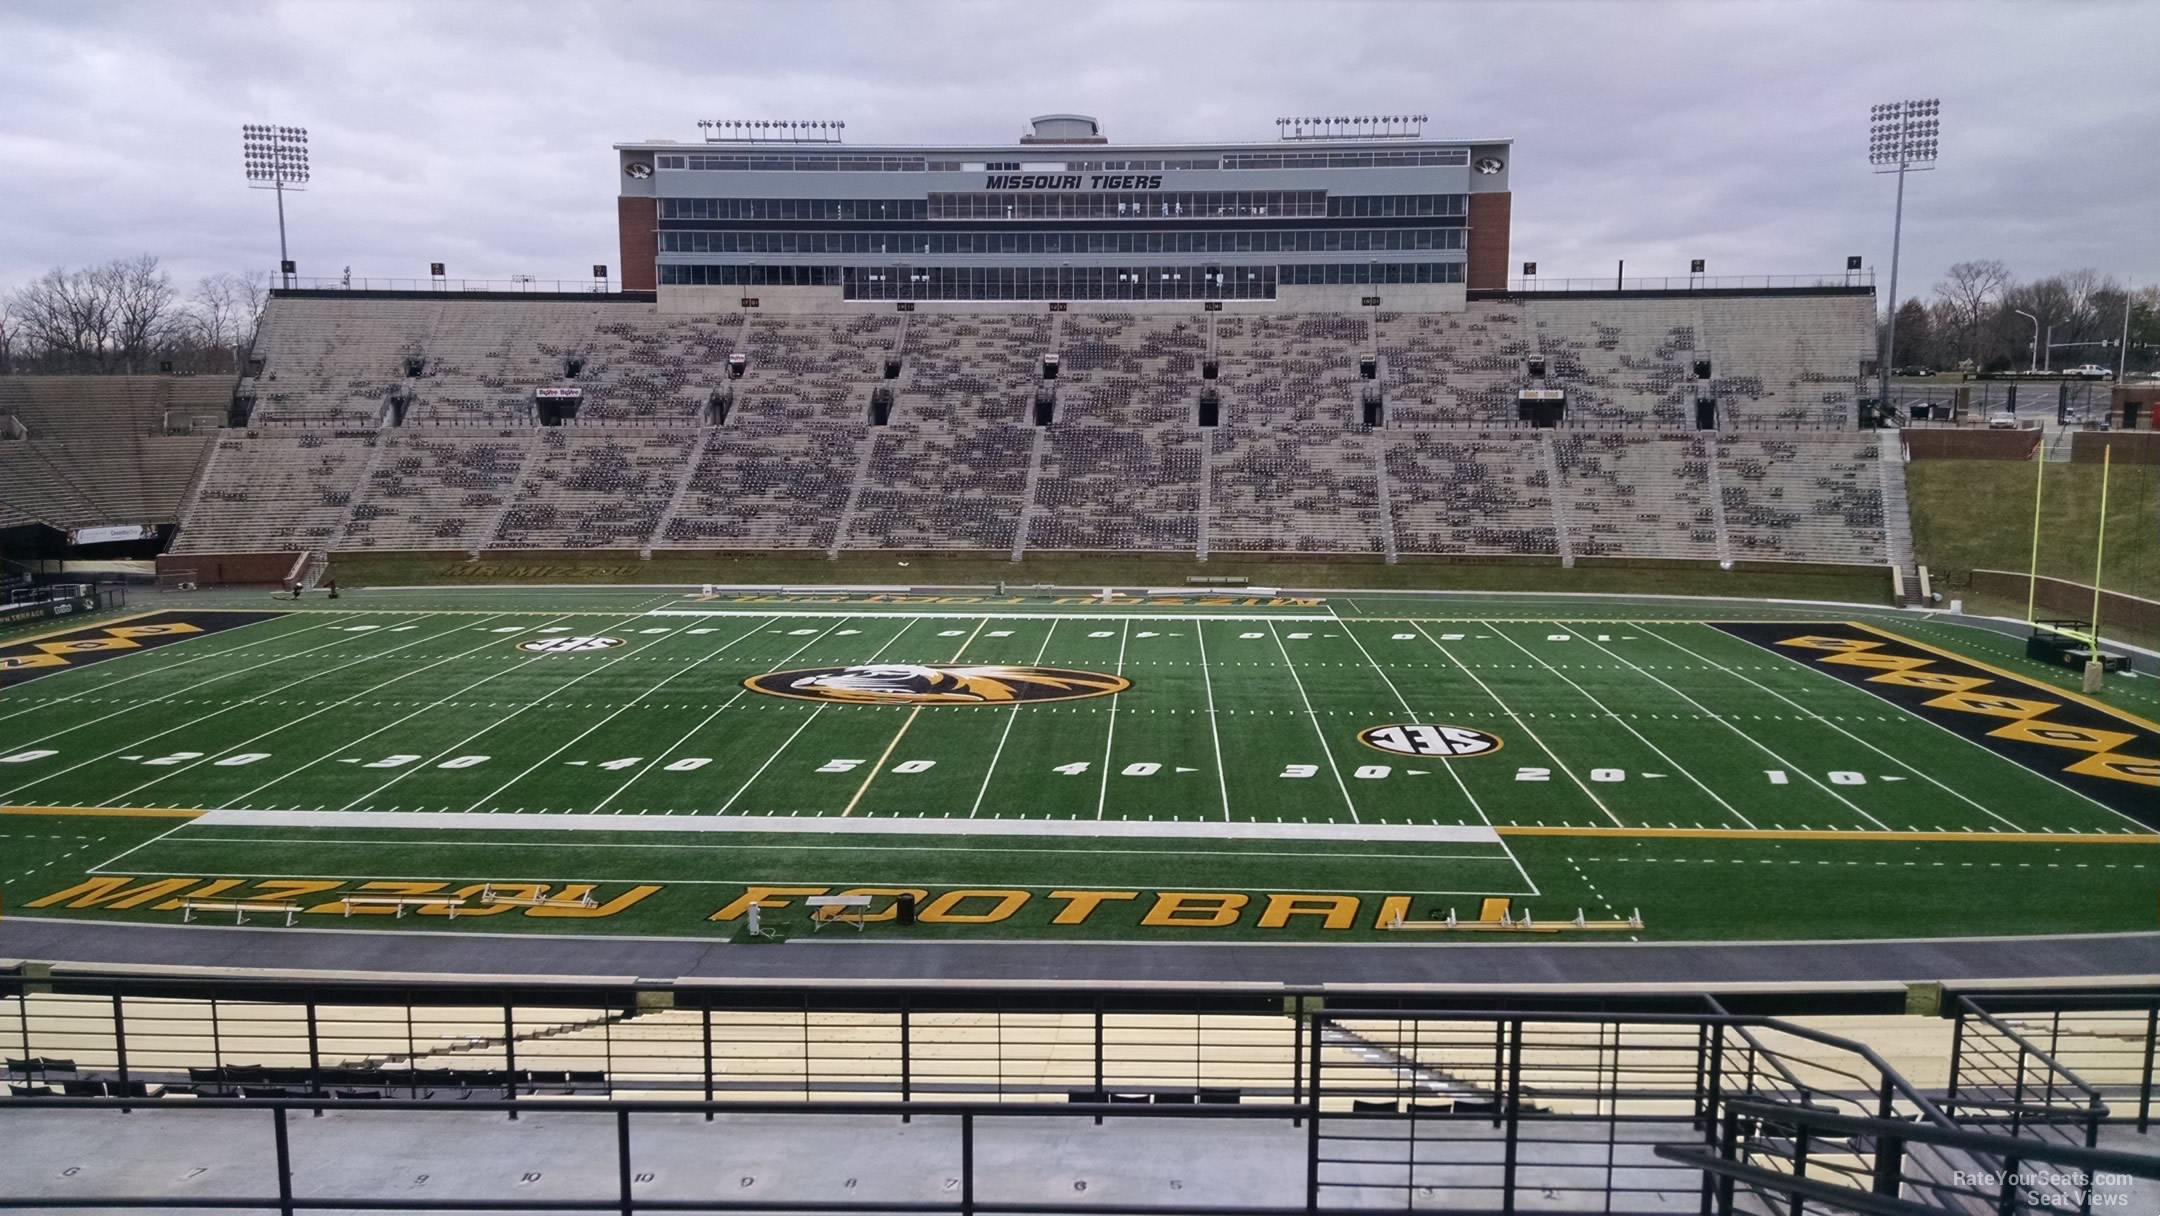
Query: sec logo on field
x=568 y=645
x=1433 y=742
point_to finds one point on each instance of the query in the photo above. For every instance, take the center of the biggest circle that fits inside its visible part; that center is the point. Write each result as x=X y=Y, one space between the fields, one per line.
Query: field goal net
x=176 y=580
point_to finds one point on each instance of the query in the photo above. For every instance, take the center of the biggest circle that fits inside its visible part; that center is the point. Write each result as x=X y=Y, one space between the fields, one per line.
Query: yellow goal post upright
x=2047 y=641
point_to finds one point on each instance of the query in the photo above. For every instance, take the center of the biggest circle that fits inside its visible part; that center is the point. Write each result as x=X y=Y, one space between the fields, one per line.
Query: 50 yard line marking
x=1011 y=717
x=812 y=716
x=1102 y=792
x=914 y=713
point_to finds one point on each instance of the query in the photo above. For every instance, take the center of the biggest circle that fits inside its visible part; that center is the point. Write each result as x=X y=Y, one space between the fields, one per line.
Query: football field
x=1173 y=768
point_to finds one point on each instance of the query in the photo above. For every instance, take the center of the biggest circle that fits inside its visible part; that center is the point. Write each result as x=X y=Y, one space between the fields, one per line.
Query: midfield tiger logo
x=940 y=684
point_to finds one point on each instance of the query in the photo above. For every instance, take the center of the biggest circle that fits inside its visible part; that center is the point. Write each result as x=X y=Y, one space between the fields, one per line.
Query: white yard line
x=115 y=860
x=1314 y=718
x=617 y=712
x=1012 y=716
x=1675 y=765
x=785 y=744
x=235 y=747
x=1207 y=681
x=1445 y=763
x=833 y=825
x=200 y=718
x=1102 y=793
x=1518 y=720
x=1758 y=744
x=1923 y=774
x=151 y=671
x=740 y=693
x=195 y=687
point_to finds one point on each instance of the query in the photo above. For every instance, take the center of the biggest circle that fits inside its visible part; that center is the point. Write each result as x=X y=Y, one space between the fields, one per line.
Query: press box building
x=1310 y=222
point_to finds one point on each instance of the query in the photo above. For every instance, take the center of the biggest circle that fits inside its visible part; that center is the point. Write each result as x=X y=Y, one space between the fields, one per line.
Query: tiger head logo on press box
x=942 y=684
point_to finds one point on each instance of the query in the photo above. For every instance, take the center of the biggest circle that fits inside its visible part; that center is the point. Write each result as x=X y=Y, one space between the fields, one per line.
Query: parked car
x=2002 y=422
x=1914 y=372
x=2089 y=371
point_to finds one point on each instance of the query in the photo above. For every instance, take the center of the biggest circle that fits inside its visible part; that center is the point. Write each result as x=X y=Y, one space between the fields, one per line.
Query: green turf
x=1978 y=515
x=1241 y=716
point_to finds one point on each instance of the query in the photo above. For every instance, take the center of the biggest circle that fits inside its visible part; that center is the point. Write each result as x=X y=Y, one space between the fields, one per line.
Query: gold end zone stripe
x=1854 y=837
x=2027 y=681
x=116 y=812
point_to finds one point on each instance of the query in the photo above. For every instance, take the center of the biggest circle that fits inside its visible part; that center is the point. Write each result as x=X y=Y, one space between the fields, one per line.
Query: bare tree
x=1969 y=295
x=65 y=321
x=142 y=299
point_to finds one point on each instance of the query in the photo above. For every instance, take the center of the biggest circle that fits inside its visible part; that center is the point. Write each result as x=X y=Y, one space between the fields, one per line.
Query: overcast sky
x=476 y=132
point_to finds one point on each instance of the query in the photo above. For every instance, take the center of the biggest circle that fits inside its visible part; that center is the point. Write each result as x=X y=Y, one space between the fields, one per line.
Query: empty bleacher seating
x=1124 y=464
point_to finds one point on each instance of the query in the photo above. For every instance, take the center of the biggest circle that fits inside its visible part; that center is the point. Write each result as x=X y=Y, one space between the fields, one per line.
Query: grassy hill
x=1977 y=515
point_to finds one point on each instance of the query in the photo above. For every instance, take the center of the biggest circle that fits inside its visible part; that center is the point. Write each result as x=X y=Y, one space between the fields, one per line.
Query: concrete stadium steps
x=813 y=368
x=934 y=487
x=961 y=369
x=276 y=489
x=1621 y=362
x=592 y=489
x=1311 y=489
x=434 y=488
x=484 y=358
x=1114 y=488
x=1632 y=494
x=1130 y=371
x=335 y=362
x=107 y=409
x=1790 y=361
x=764 y=486
x=1290 y=368
x=1469 y=492
x=1452 y=369
x=1803 y=497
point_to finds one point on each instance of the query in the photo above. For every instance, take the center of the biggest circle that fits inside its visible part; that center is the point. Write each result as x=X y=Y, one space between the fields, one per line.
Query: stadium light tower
x=1901 y=136
x=276 y=159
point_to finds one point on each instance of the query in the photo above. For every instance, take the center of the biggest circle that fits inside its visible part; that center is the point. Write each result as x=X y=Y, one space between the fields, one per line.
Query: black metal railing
x=1481 y=1102
x=2107 y=1038
x=1777 y=1157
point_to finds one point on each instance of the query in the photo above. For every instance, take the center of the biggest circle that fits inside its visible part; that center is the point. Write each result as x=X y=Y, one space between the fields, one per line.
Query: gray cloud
x=476 y=132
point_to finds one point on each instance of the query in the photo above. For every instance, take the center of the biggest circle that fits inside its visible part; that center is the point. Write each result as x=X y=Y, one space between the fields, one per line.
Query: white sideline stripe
x=1476 y=833
x=1321 y=618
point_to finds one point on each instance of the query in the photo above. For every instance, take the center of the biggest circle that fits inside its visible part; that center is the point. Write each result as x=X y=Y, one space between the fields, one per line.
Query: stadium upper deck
x=1310 y=223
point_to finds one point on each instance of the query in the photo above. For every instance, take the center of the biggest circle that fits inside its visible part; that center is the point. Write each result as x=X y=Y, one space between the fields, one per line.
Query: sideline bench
x=489 y=898
x=402 y=902
x=826 y=909
x=238 y=907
